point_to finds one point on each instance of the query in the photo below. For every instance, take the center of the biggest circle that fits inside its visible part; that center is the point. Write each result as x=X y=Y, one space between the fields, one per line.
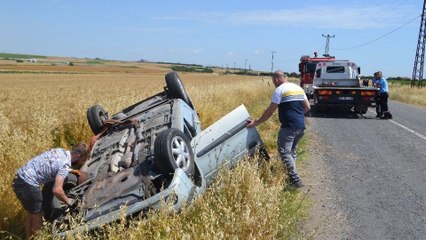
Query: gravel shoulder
x=325 y=219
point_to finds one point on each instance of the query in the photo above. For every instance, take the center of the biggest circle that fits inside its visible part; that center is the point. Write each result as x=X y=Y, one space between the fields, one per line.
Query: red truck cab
x=307 y=67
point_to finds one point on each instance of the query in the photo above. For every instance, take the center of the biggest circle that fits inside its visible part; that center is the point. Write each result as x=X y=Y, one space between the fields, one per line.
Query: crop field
x=405 y=93
x=43 y=105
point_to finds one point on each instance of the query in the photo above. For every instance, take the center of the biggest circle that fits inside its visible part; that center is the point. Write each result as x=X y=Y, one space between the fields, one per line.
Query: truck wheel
x=172 y=150
x=317 y=108
x=176 y=89
x=96 y=116
x=361 y=109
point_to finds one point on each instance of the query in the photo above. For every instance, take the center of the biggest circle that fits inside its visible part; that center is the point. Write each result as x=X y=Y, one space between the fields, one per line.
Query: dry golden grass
x=407 y=94
x=40 y=111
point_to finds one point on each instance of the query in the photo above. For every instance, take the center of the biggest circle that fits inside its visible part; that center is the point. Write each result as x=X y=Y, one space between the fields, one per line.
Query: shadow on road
x=334 y=112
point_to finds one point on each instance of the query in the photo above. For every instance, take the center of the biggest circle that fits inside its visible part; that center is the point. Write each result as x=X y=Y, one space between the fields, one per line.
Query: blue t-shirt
x=46 y=166
x=290 y=98
x=383 y=85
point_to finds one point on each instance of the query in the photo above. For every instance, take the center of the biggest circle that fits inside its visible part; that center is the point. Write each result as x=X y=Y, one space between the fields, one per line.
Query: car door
x=225 y=143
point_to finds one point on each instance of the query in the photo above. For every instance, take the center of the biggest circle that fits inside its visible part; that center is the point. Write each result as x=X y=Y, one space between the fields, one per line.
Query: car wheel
x=96 y=116
x=176 y=89
x=52 y=207
x=47 y=200
x=70 y=181
x=173 y=150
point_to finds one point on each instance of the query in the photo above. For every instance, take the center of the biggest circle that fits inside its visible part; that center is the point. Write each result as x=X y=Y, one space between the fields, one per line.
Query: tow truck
x=334 y=83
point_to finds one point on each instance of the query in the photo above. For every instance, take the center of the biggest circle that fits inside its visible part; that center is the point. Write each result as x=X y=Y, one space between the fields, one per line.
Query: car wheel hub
x=180 y=153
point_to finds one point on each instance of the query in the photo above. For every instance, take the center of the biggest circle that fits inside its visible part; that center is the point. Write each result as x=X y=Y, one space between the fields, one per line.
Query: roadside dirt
x=325 y=219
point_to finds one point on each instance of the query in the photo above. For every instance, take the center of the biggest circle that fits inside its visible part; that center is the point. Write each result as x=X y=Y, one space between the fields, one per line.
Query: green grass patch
x=39 y=72
x=95 y=62
x=7 y=56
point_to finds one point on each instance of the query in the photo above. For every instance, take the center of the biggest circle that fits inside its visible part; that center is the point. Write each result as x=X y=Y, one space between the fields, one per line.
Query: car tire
x=47 y=200
x=52 y=207
x=96 y=116
x=70 y=181
x=176 y=89
x=172 y=150
x=361 y=109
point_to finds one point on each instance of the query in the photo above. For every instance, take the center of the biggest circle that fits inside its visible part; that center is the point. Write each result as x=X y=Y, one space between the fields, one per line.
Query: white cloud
x=351 y=16
x=138 y=50
x=258 y=52
x=152 y=30
x=67 y=8
x=197 y=51
x=183 y=51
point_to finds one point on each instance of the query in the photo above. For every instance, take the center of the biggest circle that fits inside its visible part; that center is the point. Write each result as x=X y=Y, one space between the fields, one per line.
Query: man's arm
x=265 y=116
x=306 y=105
x=58 y=191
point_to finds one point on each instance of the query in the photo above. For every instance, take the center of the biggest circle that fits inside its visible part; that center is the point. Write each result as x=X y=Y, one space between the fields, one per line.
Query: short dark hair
x=82 y=149
x=279 y=74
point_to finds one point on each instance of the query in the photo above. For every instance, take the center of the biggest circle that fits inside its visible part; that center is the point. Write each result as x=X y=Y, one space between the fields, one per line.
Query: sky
x=375 y=34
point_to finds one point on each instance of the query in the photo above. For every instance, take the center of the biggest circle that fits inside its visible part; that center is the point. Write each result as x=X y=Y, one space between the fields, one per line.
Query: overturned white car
x=148 y=152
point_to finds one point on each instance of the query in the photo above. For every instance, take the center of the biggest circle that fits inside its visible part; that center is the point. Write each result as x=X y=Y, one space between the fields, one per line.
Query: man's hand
x=70 y=202
x=251 y=123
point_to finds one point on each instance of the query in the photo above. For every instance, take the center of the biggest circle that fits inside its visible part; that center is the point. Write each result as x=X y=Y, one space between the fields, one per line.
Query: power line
x=376 y=39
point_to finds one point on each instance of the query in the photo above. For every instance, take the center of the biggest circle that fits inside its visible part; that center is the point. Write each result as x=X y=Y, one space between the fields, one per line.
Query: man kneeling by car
x=54 y=164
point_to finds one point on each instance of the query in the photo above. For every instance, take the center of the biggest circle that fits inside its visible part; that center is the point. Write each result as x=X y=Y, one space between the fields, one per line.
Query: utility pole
x=245 y=65
x=327 y=44
x=272 y=61
x=420 y=52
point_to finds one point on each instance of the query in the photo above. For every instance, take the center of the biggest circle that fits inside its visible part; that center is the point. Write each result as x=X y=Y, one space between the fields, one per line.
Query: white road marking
x=404 y=127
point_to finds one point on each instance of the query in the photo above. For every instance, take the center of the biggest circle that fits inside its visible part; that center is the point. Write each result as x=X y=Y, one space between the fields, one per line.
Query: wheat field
x=43 y=107
x=407 y=94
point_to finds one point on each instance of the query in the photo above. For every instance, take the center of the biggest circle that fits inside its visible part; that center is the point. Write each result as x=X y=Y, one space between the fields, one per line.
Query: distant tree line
x=180 y=64
x=190 y=68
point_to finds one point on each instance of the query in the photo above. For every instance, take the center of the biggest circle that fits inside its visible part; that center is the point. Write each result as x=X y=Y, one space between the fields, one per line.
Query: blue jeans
x=287 y=149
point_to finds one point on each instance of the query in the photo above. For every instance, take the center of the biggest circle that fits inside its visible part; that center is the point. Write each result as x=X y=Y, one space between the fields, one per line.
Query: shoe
x=378 y=116
x=386 y=116
x=298 y=184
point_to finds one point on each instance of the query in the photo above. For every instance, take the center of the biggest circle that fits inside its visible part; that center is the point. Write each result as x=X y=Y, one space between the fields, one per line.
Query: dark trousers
x=384 y=102
x=378 y=108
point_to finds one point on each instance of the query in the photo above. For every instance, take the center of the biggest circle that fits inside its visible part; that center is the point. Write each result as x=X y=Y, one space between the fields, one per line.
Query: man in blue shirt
x=384 y=95
x=292 y=104
x=377 y=97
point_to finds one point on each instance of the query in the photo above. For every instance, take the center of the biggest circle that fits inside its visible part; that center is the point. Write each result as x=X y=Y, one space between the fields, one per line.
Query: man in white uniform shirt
x=292 y=104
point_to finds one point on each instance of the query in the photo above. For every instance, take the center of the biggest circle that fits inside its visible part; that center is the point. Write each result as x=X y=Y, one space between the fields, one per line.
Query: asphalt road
x=374 y=173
